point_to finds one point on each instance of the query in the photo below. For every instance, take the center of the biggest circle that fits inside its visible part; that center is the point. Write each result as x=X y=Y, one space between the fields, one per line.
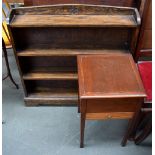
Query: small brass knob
x=109 y=116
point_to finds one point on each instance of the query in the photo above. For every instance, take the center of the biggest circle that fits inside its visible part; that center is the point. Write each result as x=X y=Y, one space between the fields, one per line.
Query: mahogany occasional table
x=109 y=88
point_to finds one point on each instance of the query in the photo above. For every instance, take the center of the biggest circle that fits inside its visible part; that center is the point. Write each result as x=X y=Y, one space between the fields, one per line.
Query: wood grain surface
x=74 y=21
x=108 y=76
x=50 y=76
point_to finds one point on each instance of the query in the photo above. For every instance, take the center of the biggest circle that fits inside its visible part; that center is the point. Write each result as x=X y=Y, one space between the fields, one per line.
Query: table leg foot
x=83 y=117
x=123 y=143
x=78 y=105
x=131 y=127
x=78 y=109
x=81 y=146
x=147 y=130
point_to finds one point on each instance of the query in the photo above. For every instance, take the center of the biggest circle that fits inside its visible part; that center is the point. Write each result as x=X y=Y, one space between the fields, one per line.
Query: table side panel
x=113 y=105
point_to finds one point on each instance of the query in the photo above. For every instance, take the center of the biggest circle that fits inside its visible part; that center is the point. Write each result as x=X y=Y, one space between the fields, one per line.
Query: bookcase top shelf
x=74 y=16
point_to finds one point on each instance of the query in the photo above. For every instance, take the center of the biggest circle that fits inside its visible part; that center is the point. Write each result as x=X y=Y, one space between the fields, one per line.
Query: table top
x=109 y=76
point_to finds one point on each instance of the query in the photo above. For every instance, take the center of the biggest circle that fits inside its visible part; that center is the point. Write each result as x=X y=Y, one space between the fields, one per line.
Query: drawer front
x=112 y=105
x=110 y=115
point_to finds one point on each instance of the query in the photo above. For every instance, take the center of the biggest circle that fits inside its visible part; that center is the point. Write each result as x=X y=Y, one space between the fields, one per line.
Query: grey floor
x=55 y=130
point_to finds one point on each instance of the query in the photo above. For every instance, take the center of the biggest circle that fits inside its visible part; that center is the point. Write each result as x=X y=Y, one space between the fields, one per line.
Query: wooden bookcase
x=47 y=39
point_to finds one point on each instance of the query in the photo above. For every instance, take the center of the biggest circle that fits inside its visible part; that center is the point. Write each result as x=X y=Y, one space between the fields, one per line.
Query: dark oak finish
x=109 y=88
x=63 y=40
x=47 y=39
x=51 y=92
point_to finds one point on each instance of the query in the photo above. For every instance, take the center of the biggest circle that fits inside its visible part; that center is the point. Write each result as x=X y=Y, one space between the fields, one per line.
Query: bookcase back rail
x=28 y=16
x=78 y=9
x=71 y=38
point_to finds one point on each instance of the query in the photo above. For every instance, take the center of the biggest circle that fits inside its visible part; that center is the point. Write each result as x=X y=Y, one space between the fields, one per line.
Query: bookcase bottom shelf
x=56 y=97
x=59 y=101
